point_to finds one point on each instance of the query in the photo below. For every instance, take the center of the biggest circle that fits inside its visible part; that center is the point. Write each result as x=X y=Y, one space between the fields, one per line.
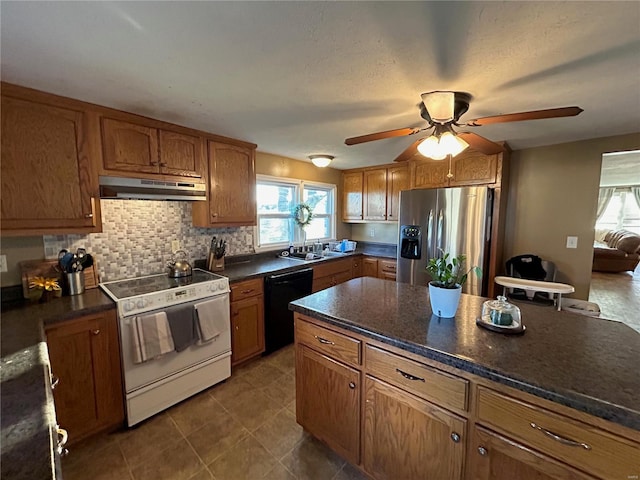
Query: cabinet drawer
x=387 y=266
x=588 y=448
x=332 y=268
x=247 y=289
x=421 y=380
x=335 y=345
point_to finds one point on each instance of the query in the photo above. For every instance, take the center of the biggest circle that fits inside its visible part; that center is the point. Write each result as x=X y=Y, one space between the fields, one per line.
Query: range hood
x=145 y=189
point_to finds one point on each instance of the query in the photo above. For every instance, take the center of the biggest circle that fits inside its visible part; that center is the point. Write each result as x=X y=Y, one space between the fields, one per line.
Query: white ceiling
x=297 y=78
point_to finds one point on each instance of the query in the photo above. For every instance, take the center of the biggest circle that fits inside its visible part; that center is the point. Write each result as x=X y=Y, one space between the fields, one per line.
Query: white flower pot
x=444 y=301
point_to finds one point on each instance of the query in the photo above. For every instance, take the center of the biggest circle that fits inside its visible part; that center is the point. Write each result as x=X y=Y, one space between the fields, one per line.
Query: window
x=277 y=198
x=623 y=212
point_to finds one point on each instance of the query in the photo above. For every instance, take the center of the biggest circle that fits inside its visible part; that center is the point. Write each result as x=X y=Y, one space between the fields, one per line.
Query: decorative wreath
x=303 y=211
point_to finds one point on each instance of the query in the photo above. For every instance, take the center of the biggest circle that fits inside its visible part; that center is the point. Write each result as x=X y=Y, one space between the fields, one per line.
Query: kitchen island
x=473 y=391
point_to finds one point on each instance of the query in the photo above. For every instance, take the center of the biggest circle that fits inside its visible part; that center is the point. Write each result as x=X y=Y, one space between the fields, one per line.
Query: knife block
x=217 y=265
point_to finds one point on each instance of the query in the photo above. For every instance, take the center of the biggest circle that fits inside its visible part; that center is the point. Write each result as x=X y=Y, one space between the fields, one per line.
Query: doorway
x=618 y=292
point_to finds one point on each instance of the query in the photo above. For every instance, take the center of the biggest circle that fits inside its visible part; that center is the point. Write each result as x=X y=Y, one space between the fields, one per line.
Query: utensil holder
x=75 y=282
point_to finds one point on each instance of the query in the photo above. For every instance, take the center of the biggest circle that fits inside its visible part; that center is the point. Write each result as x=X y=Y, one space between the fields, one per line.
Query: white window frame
x=299 y=186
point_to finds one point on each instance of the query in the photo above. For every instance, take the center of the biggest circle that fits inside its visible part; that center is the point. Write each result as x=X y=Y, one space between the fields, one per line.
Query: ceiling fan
x=442 y=110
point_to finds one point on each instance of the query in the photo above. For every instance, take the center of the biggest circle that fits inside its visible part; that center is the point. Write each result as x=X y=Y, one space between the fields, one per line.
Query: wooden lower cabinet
x=369 y=267
x=494 y=457
x=379 y=268
x=356 y=267
x=85 y=357
x=328 y=401
x=406 y=437
x=330 y=274
x=247 y=320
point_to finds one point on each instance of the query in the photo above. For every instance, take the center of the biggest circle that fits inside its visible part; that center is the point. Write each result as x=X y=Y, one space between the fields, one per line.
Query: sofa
x=620 y=252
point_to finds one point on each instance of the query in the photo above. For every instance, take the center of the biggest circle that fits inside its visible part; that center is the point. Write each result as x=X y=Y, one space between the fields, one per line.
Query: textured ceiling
x=297 y=78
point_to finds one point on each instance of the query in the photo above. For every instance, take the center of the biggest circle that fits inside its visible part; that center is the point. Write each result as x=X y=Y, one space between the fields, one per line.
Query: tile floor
x=618 y=296
x=242 y=429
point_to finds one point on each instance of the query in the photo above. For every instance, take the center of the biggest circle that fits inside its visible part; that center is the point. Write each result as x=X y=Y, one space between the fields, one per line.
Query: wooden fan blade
x=400 y=132
x=409 y=152
x=533 y=115
x=480 y=144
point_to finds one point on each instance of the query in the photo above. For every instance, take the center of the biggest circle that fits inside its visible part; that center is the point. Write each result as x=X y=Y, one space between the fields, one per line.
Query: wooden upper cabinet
x=473 y=168
x=47 y=178
x=427 y=173
x=232 y=187
x=352 y=183
x=181 y=154
x=129 y=147
x=375 y=194
x=137 y=148
x=397 y=180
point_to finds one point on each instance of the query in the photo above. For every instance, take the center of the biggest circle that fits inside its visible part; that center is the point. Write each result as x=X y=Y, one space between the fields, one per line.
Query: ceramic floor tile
x=217 y=436
x=194 y=412
x=349 y=472
x=253 y=408
x=279 y=473
x=247 y=460
x=107 y=464
x=292 y=407
x=312 y=460
x=283 y=359
x=261 y=374
x=280 y=434
x=153 y=435
x=226 y=392
x=178 y=462
x=204 y=474
x=91 y=447
x=282 y=390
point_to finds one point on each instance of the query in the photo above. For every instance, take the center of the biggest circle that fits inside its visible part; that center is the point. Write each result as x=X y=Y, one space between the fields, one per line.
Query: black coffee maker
x=410 y=241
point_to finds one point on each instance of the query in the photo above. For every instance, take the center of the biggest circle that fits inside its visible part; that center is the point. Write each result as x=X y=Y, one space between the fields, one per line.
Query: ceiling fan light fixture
x=440 y=106
x=452 y=144
x=431 y=147
x=321 y=161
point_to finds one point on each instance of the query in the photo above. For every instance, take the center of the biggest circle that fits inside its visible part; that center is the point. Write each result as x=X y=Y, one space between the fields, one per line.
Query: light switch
x=572 y=242
x=3 y=263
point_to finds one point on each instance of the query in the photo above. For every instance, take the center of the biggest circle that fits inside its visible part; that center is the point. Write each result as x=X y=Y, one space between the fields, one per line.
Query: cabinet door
x=232 y=185
x=128 y=147
x=375 y=194
x=85 y=356
x=397 y=180
x=46 y=174
x=493 y=457
x=247 y=328
x=406 y=437
x=328 y=401
x=429 y=173
x=180 y=154
x=352 y=196
x=370 y=267
x=356 y=267
x=474 y=168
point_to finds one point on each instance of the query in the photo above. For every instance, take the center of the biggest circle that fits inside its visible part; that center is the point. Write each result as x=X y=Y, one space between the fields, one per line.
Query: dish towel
x=182 y=325
x=151 y=337
x=209 y=320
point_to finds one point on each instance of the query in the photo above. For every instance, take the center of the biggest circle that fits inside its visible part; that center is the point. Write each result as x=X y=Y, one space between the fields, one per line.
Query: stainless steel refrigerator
x=453 y=220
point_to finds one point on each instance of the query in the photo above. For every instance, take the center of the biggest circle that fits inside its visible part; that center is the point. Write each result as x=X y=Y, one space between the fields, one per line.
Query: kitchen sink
x=332 y=254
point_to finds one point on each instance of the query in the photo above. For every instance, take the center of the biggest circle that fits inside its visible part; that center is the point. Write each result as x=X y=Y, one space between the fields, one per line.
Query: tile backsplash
x=137 y=234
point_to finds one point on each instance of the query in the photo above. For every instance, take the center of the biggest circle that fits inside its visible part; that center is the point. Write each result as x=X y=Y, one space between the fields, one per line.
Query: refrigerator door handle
x=440 y=227
x=429 y=249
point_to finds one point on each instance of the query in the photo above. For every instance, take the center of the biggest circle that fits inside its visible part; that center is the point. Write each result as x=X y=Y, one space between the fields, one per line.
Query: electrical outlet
x=372 y=232
x=572 y=242
x=3 y=263
x=175 y=245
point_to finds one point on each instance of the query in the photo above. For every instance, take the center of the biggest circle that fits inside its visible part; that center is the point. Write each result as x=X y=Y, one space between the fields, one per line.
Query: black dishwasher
x=278 y=319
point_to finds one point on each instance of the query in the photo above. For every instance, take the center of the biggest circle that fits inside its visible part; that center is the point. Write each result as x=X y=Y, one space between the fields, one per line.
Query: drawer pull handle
x=247 y=291
x=558 y=438
x=455 y=437
x=483 y=451
x=96 y=332
x=88 y=215
x=323 y=340
x=55 y=380
x=408 y=376
x=352 y=385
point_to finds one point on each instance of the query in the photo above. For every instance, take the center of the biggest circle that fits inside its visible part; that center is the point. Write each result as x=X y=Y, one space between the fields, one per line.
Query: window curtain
x=604 y=197
x=636 y=195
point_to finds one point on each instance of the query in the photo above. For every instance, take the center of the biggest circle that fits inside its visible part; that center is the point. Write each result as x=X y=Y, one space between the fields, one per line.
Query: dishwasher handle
x=290 y=275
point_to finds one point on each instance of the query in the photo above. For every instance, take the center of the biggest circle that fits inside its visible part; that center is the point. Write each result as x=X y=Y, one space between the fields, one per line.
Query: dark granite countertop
x=28 y=414
x=586 y=363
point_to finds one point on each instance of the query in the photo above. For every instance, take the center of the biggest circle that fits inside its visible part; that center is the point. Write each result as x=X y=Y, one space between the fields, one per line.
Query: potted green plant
x=448 y=275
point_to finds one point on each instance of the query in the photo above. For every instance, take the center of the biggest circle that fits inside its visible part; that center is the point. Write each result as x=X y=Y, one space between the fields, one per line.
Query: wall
x=553 y=193
x=137 y=234
x=18 y=249
x=277 y=166
x=382 y=232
